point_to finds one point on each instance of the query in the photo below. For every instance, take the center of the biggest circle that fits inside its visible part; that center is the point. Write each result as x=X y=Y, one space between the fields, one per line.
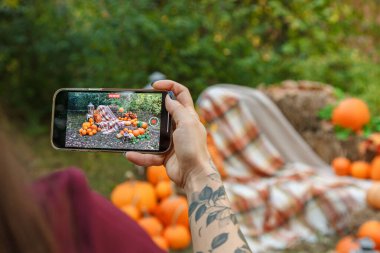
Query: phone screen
x=111 y=120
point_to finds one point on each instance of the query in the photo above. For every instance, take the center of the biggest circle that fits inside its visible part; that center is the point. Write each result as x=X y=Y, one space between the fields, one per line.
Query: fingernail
x=125 y=154
x=151 y=84
x=171 y=95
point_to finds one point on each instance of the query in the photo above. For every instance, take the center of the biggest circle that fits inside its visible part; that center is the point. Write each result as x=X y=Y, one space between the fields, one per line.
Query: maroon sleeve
x=83 y=221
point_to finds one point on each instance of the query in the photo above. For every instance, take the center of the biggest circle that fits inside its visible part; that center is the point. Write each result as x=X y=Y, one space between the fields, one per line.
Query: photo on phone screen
x=112 y=120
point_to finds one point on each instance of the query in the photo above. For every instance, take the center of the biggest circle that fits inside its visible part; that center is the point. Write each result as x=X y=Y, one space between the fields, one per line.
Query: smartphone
x=115 y=120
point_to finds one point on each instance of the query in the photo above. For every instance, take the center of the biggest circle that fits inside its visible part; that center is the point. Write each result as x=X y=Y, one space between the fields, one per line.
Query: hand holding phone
x=188 y=158
x=111 y=120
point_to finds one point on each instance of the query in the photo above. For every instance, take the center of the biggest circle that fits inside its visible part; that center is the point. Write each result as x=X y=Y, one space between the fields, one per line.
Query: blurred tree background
x=46 y=45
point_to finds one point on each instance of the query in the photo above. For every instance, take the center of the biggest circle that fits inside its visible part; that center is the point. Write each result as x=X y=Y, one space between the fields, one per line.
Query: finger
x=144 y=159
x=181 y=92
x=176 y=110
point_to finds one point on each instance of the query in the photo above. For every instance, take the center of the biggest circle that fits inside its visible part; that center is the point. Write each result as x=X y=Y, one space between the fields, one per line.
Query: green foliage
x=144 y=102
x=46 y=45
x=136 y=102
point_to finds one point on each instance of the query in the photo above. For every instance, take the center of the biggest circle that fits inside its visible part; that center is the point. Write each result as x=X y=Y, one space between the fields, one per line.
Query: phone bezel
x=59 y=111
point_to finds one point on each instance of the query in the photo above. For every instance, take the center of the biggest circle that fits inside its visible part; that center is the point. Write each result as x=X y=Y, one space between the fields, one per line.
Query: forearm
x=213 y=225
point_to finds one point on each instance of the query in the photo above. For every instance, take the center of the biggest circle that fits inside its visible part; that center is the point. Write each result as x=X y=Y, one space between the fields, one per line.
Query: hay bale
x=300 y=102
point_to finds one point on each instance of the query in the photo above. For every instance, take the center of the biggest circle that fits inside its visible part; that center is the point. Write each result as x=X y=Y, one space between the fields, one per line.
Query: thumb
x=176 y=109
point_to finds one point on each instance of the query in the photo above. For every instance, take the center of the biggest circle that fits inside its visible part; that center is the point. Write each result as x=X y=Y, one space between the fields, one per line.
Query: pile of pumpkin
x=368 y=231
x=358 y=169
x=128 y=116
x=155 y=207
x=89 y=128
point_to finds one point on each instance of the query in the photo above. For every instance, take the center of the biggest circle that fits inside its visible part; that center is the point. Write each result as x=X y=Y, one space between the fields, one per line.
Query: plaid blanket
x=110 y=123
x=277 y=201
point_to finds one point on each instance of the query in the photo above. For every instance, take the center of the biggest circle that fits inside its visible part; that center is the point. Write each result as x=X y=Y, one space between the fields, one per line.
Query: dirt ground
x=74 y=139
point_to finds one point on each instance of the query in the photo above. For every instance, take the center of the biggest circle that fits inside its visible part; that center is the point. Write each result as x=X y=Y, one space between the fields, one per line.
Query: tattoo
x=213 y=165
x=213 y=205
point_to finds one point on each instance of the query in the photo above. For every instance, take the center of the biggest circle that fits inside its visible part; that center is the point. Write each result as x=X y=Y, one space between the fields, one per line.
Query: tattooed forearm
x=213 y=224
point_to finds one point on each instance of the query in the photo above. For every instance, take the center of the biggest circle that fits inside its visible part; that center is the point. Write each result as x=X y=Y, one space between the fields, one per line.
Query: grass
x=103 y=170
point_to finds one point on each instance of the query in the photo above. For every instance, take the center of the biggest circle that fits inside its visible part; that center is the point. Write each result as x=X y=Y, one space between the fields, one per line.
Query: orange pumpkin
x=173 y=210
x=141 y=130
x=351 y=113
x=341 y=166
x=138 y=193
x=161 y=242
x=144 y=125
x=151 y=225
x=98 y=118
x=132 y=211
x=373 y=195
x=121 y=132
x=347 y=245
x=177 y=236
x=360 y=169
x=370 y=229
x=136 y=133
x=121 y=109
x=163 y=189
x=156 y=174
x=375 y=169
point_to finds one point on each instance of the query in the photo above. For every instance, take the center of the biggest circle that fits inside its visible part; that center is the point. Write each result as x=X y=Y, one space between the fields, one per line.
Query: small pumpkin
x=375 y=169
x=127 y=123
x=156 y=174
x=86 y=125
x=141 y=130
x=177 y=236
x=347 y=244
x=121 y=109
x=151 y=225
x=98 y=118
x=132 y=211
x=373 y=195
x=163 y=189
x=361 y=169
x=341 y=166
x=351 y=113
x=173 y=210
x=138 y=193
x=161 y=242
x=136 y=133
x=370 y=229
x=144 y=125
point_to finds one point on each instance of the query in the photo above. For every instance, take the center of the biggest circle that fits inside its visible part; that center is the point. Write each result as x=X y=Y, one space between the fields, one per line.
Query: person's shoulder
x=71 y=180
